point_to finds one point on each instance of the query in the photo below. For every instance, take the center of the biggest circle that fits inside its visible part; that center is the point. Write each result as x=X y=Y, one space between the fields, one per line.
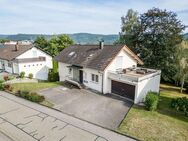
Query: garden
x=163 y=118
x=27 y=90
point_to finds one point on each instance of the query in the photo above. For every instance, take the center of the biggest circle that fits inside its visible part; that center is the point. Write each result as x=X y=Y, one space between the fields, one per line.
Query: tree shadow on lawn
x=165 y=109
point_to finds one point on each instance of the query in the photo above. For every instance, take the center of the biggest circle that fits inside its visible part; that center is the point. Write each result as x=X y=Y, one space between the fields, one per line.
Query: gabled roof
x=8 y=52
x=91 y=56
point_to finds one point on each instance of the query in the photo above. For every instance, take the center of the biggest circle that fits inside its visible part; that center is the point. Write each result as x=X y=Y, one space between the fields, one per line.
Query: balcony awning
x=75 y=67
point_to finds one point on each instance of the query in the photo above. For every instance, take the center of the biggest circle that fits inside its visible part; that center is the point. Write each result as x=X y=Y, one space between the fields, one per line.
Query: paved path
x=22 y=120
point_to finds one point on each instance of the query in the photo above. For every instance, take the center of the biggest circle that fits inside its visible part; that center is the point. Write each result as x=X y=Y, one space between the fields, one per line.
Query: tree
x=41 y=42
x=58 y=43
x=181 y=63
x=4 y=40
x=55 y=45
x=154 y=36
x=129 y=30
x=160 y=32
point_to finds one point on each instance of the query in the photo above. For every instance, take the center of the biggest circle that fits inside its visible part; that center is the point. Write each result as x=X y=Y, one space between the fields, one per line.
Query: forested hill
x=82 y=38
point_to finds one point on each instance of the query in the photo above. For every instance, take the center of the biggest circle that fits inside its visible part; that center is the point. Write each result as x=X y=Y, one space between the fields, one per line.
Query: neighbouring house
x=108 y=69
x=16 y=58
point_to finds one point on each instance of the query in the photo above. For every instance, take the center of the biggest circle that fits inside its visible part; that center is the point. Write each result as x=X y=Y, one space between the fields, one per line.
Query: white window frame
x=95 y=78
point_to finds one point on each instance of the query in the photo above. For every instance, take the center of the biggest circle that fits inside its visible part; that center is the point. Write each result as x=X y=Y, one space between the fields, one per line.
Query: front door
x=81 y=76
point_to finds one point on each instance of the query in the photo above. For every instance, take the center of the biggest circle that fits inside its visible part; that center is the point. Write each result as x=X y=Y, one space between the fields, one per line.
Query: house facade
x=16 y=58
x=108 y=69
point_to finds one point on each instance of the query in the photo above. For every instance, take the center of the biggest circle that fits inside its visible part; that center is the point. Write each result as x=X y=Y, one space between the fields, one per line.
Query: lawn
x=33 y=86
x=165 y=124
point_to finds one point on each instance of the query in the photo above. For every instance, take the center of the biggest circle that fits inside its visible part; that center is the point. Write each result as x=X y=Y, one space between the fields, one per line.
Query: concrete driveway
x=84 y=104
x=21 y=120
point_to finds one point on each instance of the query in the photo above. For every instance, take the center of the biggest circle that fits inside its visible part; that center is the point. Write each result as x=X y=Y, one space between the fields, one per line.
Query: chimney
x=101 y=44
x=17 y=47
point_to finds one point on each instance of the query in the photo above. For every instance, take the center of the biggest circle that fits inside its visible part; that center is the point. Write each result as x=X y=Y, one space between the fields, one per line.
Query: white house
x=108 y=69
x=16 y=58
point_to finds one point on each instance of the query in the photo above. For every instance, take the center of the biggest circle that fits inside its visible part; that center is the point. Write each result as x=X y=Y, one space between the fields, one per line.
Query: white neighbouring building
x=108 y=69
x=16 y=58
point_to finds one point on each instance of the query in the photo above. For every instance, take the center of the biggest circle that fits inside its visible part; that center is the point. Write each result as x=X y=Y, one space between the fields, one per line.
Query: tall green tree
x=160 y=32
x=55 y=45
x=154 y=36
x=41 y=42
x=129 y=30
x=58 y=43
x=181 y=63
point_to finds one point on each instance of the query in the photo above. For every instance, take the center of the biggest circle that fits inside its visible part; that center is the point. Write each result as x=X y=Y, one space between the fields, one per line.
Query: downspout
x=102 y=89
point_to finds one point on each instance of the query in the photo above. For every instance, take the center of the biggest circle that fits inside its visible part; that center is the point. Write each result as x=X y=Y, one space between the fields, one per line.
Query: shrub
x=33 y=96
x=186 y=89
x=53 y=76
x=22 y=74
x=8 y=87
x=151 y=101
x=10 y=77
x=1 y=87
x=180 y=104
x=30 y=76
x=5 y=77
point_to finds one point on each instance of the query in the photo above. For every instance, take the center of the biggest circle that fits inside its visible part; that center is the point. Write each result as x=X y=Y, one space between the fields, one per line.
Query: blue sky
x=73 y=16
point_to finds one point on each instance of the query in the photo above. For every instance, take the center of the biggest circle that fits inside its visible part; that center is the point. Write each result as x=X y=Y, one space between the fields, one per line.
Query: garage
x=123 y=89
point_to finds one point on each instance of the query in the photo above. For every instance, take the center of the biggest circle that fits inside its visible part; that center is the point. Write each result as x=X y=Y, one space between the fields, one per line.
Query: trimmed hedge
x=180 y=104
x=33 y=96
x=151 y=101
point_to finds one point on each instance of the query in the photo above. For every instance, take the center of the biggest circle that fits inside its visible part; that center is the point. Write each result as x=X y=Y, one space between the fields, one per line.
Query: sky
x=75 y=16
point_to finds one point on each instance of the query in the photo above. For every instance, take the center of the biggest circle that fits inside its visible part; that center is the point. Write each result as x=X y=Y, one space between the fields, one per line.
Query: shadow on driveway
x=84 y=104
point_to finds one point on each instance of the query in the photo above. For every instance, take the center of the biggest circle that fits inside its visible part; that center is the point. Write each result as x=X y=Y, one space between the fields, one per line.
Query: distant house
x=108 y=69
x=16 y=58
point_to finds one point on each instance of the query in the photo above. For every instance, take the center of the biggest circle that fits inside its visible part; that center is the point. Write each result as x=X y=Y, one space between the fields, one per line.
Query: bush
x=1 y=87
x=10 y=77
x=30 y=76
x=151 y=101
x=180 y=104
x=5 y=77
x=33 y=96
x=186 y=89
x=53 y=76
x=8 y=87
x=22 y=74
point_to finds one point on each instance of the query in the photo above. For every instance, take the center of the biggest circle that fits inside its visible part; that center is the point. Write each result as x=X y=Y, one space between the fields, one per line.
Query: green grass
x=165 y=124
x=33 y=86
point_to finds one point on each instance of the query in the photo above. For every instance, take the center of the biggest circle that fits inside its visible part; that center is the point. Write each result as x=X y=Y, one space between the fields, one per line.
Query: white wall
x=144 y=86
x=127 y=63
x=88 y=79
x=38 y=69
x=63 y=71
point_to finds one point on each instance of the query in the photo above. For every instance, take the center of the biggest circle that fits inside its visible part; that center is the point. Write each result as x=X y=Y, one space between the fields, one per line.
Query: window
x=34 y=53
x=70 y=70
x=9 y=65
x=94 y=78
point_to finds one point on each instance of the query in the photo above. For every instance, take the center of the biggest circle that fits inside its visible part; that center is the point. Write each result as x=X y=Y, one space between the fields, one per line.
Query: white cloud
x=57 y=16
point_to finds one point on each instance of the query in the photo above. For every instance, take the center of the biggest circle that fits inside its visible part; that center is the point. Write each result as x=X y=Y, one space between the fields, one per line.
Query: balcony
x=132 y=74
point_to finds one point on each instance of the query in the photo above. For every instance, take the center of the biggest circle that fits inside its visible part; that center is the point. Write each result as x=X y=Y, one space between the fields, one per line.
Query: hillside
x=82 y=38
